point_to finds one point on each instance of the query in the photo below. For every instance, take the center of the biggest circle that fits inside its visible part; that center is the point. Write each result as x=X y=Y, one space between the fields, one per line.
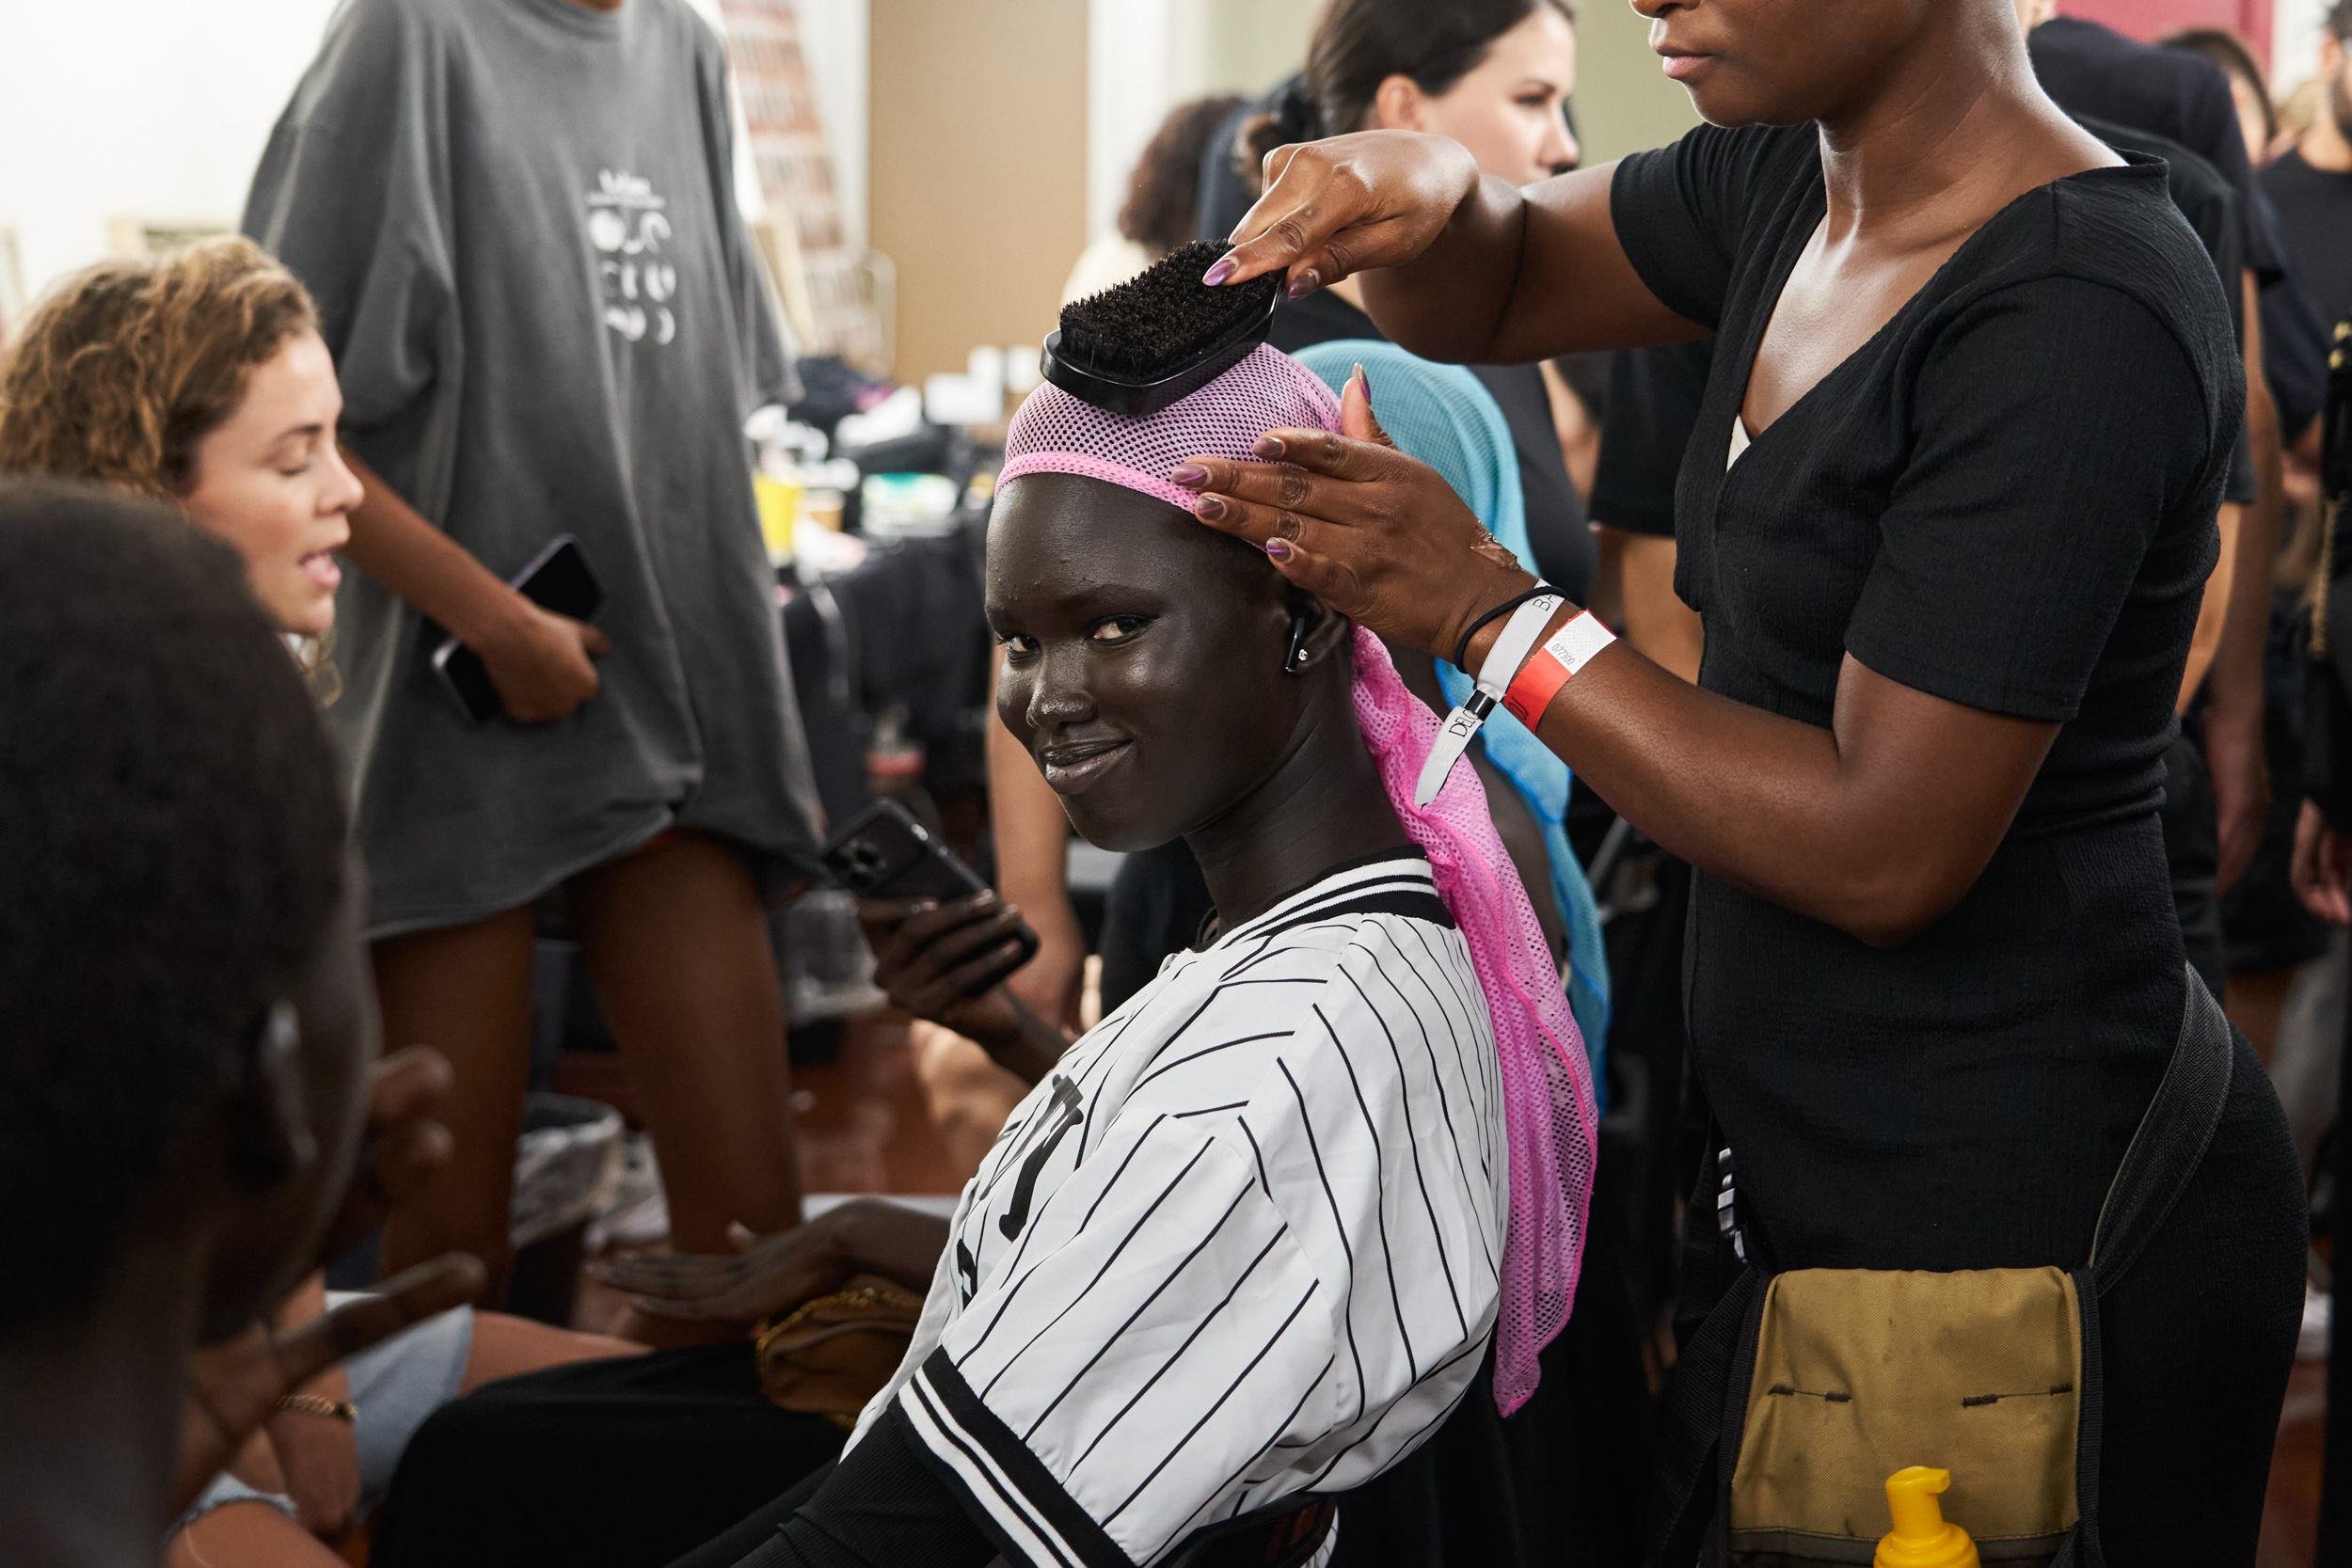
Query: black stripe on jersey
x=1416 y=859
x=1204 y=1051
x=959 y=1411
x=1412 y=1145
x=975 y=1507
x=1412 y=903
x=1379 y=1193
x=1239 y=1378
x=1338 y=1223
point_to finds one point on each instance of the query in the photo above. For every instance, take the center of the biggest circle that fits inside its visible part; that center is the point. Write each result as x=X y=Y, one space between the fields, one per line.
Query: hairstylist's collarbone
x=1506 y=110
x=270 y=481
x=1143 y=658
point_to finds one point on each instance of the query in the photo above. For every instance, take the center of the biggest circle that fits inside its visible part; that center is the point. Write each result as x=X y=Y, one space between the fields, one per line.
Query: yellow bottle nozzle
x=1921 y=1537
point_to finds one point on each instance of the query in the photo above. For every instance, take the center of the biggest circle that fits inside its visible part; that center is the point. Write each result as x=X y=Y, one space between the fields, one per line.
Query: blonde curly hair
x=127 y=365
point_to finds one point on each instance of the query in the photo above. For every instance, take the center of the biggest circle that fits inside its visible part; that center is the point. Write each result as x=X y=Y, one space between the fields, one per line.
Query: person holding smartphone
x=520 y=227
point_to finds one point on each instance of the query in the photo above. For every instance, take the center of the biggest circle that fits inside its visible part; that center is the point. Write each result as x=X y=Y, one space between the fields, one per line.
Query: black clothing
x=2192 y=855
x=1157 y=903
x=2212 y=209
x=1654 y=397
x=2294 y=348
x=617 y=1463
x=883 y=1496
x=1565 y=552
x=2004 y=498
x=2268 y=927
x=2088 y=69
x=2315 y=211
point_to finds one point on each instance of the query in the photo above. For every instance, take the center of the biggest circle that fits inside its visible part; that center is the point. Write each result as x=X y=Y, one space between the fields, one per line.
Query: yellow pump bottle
x=1921 y=1537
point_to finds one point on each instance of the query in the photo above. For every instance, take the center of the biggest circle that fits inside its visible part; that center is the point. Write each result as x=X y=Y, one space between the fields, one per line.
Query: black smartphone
x=883 y=852
x=558 y=578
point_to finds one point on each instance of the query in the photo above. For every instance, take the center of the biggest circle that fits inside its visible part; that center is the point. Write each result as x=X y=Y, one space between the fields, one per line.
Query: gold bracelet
x=319 y=1404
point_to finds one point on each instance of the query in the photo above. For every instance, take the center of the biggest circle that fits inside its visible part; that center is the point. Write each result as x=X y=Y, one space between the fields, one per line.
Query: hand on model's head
x=1378 y=535
x=1348 y=204
x=947 y=962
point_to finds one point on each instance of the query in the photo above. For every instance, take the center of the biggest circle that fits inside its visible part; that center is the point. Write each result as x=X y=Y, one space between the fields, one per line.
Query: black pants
x=621 y=1464
x=2192 y=849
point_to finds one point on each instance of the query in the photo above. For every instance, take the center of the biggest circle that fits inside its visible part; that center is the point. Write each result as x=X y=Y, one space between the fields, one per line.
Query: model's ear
x=270 y=1140
x=1316 y=632
x=1396 y=104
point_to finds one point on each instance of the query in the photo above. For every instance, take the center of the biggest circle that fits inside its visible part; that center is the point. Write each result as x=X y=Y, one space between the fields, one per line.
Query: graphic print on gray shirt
x=518 y=219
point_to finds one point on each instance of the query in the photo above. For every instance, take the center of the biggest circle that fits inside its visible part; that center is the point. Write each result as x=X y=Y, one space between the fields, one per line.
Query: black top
x=2004 y=498
x=2315 y=211
x=1654 y=397
x=2091 y=69
x=1565 y=552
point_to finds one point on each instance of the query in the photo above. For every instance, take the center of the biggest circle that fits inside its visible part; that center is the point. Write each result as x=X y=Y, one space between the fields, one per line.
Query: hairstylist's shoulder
x=1684 y=211
x=2128 y=234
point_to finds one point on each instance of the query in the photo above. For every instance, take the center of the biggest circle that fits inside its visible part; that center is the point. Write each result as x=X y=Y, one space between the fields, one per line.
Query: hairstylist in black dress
x=1935 y=974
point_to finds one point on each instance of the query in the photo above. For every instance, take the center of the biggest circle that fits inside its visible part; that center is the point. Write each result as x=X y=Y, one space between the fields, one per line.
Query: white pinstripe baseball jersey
x=1241 y=1244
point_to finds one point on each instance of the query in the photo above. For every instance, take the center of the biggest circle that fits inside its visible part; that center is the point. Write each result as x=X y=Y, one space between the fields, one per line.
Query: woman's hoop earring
x=1294 y=656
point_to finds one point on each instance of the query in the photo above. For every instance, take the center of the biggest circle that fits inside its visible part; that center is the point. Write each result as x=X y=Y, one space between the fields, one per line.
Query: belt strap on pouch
x=2170 y=1143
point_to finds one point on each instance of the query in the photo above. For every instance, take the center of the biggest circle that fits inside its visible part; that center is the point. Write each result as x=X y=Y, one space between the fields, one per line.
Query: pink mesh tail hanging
x=1548 y=1116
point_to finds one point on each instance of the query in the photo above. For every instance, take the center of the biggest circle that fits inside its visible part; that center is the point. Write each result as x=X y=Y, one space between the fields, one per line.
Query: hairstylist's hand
x=542 y=664
x=235 y=1386
x=1377 y=535
x=2322 y=867
x=1333 y=208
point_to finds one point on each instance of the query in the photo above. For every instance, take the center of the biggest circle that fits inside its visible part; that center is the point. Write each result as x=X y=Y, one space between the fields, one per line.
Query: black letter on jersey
x=1066 y=1107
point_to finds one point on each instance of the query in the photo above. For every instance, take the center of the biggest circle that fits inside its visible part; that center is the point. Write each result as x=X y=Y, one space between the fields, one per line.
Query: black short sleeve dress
x=2004 y=498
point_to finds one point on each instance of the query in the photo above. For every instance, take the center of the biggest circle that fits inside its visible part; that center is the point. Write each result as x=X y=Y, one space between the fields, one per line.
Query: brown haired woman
x=1946 y=518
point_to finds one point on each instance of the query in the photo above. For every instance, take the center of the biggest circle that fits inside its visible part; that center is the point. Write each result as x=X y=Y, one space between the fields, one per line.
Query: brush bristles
x=1160 y=321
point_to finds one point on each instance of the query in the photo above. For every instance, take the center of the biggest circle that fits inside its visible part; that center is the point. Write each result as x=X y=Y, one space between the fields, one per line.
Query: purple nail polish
x=1209 y=507
x=1304 y=284
x=1188 y=474
x=1268 y=447
x=1277 y=549
x=1220 y=272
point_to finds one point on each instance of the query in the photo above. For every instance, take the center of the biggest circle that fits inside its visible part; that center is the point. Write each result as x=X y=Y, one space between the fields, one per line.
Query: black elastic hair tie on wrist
x=1461 y=653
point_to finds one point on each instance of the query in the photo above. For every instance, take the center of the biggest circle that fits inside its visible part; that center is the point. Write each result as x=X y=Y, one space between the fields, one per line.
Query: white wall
x=2294 y=42
x=160 y=109
x=136 y=107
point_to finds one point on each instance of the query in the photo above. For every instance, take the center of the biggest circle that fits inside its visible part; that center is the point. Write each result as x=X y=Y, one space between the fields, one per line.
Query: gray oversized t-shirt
x=518 y=219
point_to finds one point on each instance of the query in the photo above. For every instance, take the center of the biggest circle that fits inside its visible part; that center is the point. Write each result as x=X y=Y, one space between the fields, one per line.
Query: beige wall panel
x=979 y=126
x=1624 y=102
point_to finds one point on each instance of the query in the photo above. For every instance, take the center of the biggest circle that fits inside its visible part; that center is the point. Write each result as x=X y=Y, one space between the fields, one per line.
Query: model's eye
x=1018 y=648
x=1115 y=630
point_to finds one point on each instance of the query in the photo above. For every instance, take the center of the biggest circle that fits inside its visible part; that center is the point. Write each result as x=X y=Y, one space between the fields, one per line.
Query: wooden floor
x=863 y=1129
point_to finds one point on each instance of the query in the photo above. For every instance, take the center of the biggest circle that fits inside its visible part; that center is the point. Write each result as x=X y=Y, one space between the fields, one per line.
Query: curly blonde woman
x=198 y=378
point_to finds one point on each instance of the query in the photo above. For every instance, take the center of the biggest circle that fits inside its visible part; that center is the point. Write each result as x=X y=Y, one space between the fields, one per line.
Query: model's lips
x=1680 y=65
x=1074 y=766
x=319 y=569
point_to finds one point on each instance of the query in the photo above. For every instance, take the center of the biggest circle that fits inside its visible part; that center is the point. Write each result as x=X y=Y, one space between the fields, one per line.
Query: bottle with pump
x=1922 y=1538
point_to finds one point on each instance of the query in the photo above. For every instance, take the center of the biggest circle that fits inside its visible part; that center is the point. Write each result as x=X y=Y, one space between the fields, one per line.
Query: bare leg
x=677 y=946
x=505 y=1346
x=465 y=990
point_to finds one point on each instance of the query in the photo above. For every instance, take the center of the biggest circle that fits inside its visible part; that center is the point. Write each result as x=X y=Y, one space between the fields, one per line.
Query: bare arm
x=2234 y=712
x=1457 y=266
x=540 y=661
x=1877 y=824
x=1660 y=626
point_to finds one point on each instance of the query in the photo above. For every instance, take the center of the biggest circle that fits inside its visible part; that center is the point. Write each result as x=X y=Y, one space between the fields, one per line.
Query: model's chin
x=1121 y=833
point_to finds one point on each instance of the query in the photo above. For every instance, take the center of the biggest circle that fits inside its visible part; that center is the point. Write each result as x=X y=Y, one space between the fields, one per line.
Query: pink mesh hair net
x=1549 y=1121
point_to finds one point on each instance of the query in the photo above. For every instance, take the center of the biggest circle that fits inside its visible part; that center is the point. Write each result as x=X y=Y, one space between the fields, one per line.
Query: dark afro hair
x=1159 y=321
x=171 y=843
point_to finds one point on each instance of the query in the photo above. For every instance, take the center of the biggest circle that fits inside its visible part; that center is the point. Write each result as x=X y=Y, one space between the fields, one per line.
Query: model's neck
x=1321 y=805
x=89 y=1428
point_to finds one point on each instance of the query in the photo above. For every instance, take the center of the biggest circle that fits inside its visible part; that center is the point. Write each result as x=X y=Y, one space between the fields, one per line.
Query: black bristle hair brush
x=1137 y=348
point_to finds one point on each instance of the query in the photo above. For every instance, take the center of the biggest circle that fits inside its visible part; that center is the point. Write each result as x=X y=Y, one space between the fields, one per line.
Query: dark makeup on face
x=1144 y=671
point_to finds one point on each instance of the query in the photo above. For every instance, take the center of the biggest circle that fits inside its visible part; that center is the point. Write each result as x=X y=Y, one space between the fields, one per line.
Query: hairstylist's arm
x=541 y=662
x=1457 y=266
x=1876 y=825
x=1033 y=871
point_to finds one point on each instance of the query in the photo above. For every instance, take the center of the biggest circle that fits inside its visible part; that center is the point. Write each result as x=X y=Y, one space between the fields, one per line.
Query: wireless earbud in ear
x=1294 y=654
